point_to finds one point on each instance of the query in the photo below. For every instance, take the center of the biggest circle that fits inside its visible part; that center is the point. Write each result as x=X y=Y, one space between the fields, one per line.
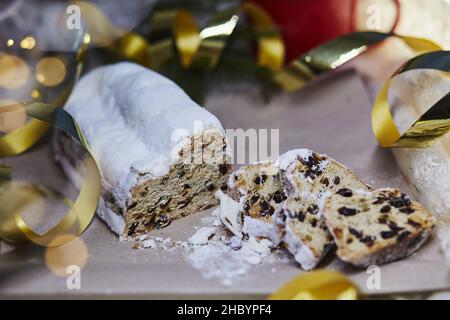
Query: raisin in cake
x=376 y=227
x=252 y=196
x=161 y=156
x=309 y=177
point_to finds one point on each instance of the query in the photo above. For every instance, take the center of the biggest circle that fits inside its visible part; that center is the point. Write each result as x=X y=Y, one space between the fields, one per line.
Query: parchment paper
x=330 y=116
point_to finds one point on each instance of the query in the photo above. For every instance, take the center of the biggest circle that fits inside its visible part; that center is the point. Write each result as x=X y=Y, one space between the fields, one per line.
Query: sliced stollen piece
x=161 y=156
x=309 y=177
x=376 y=227
x=252 y=196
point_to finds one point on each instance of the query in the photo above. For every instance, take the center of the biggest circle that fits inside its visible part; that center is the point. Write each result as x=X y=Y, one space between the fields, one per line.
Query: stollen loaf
x=427 y=171
x=161 y=156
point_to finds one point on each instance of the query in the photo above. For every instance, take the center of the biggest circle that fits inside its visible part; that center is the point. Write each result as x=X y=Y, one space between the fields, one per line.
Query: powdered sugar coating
x=135 y=122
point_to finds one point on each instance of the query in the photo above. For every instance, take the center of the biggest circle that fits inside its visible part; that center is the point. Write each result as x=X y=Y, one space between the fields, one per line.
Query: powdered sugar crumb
x=216 y=253
x=202 y=236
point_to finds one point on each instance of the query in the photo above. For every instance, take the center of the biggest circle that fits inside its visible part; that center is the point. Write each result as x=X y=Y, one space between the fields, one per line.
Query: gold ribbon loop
x=432 y=125
x=318 y=285
x=14 y=196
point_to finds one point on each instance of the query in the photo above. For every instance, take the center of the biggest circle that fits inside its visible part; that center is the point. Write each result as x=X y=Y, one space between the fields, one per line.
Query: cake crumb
x=149 y=243
x=202 y=236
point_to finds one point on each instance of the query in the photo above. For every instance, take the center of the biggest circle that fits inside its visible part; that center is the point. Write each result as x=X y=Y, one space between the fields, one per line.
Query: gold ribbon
x=318 y=285
x=433 y=124
x=202 y=49
x=15 y=196
x=23 y=138
x=197 y=49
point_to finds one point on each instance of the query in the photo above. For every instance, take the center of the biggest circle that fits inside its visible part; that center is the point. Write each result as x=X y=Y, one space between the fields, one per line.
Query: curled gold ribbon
x=26 y=136
x=433 y=124
x=197 y=48
x=318 y=285
x=202 y=49
x=14 y=197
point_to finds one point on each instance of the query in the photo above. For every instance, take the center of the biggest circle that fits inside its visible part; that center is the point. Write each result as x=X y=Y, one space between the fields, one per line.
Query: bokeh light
x=14 y=72
x=50 y=71
x=74 y=252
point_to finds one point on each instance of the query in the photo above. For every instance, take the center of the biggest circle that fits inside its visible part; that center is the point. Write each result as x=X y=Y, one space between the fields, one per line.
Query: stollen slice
x=252 y=196
x=308 y=178
x=376 y=227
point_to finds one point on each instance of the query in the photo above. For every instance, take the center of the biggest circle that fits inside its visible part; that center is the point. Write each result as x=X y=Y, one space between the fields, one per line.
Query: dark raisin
x=264 y=205
x=347 y=211
x=210 y=186
x=257 y=180
x=345 y=192
x=278 y=197
x=349 y=240
x=313 y=209
x=263 y=178
x=223 y=169
x=368 y=240
x=162 y=221
x=224 y=188
x=300 y=216
x=355 y=232
x=132 y=228
x=394 y=228
x=325 y=182
x=407 y=210
x=385 y=209
x=398 y=202
x=383 y=219
x=133 y=205
x=414 y=223
x=254 y=198
x=271 y=210
x=402 y=236
x=379 y=200
x=336 y=180
x=387 y=234
x=313 y=164
x=314 y=222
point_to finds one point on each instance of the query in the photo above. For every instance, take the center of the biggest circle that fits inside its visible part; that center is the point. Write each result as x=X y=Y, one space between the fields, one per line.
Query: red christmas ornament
x=306 y=24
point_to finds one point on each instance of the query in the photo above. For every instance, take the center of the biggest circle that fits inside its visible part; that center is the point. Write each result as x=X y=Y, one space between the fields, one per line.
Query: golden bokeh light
x=50 y=71
x=73 y=253
x=35 y=94
x=10 y=42
x=28 y=43
x=12 y=116
x=14 y=72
